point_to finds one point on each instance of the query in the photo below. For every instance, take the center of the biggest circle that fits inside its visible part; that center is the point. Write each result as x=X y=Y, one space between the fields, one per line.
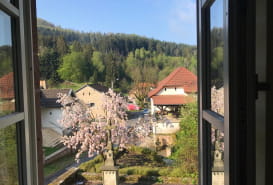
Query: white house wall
x=152 y=106
x=50 y=117
x=167 y=91
x=172 y=91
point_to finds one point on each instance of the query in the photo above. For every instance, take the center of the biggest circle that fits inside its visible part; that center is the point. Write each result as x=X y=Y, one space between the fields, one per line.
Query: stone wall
x=67 y=178
x=57 y=155
x=167 y=128
x=165 y=140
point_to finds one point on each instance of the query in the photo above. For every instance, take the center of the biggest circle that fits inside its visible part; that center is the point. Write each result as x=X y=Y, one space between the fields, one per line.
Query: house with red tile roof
x=174 y=90
x=7 y=99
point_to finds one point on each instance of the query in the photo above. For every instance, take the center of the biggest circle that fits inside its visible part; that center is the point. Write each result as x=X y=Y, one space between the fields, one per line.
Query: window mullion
x=214 y=119
x=9 y=8
x=28 y=93
x=11 y=119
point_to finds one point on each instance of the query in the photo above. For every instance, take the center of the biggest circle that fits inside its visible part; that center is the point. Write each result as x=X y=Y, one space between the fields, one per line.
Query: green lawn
x=50 y=150
x=68 y=85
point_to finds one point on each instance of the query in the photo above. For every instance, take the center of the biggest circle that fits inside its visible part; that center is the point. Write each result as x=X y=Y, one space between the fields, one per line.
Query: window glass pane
x=217 y=57
x=7 y=100
x=8 y=156
x=217 y=157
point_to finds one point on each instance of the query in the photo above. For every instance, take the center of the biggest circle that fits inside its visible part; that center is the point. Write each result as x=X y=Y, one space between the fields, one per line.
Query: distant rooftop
x=49 y=97
x=7 y=86
x=97 y=87
x=180 y=77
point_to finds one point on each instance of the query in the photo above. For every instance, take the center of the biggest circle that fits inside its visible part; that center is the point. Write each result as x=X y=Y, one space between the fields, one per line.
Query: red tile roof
x=180 y=77
x=7 y=86
x=172 y=99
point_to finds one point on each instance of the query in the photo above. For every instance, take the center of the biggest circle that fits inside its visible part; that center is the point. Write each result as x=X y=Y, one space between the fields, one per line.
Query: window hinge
x=261 y=86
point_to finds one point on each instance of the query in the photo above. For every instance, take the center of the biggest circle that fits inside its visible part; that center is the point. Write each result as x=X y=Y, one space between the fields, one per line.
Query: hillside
x=75 y=56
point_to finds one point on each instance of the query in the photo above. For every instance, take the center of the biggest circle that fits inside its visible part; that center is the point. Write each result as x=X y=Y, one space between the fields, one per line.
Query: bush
x=93 y=165
x=140 y=170
x=146 y=151
x=185 y=151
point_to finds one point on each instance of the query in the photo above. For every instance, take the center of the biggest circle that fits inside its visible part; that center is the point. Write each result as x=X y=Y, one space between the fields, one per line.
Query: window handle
x=261 y=86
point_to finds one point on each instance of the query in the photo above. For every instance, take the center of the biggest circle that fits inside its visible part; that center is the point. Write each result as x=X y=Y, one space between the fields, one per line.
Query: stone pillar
x=110 y=175
x=109 y=171
x=218 y=168
x=168 y=151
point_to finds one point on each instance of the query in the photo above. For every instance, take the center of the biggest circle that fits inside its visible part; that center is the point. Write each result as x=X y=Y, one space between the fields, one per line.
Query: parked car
x=132 y=107
x=146 y=111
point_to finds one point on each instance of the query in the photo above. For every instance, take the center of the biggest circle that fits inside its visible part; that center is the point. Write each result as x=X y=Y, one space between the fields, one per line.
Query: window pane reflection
x=7 y=100
x=217 y=57
x=8 y=156
x=217 y=157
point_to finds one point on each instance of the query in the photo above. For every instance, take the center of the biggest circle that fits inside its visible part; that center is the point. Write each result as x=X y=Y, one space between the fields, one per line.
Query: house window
x=83 y=94
x=50 y=113
x=165 y=89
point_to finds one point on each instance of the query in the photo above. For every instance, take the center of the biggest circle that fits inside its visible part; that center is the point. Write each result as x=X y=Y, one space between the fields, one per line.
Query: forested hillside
x=125 y=59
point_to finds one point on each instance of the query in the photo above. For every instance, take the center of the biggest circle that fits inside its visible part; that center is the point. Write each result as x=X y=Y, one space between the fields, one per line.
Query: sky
x=167 y=20
x=5 y=29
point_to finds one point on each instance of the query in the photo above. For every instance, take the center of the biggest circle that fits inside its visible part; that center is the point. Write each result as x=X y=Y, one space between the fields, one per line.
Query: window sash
x=24 y=118
x=208 y=118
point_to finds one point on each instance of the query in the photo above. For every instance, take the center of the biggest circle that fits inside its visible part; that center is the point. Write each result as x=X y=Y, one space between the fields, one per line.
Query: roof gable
x=180 y=77
x=98 y=87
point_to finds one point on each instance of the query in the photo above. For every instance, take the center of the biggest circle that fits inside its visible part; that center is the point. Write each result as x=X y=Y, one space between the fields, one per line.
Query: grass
x=93 y=166
x=153 y=171
x=50 y=150
x=62 y=163
x=68 y=85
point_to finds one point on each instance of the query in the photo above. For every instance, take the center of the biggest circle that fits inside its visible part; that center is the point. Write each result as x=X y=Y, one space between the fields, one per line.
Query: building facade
x=93 y=96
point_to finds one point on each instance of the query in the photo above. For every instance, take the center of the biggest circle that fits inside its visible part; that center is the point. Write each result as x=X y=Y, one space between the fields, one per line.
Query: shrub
x=93 y=165
x=185 y=151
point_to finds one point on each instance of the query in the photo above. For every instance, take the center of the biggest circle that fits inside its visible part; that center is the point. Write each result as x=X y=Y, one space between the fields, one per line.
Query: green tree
x=49 y=64
x=97 y=61
x=8 y=155
x=61 y=46
x=5 y=60
x=185 y=151
x=76 y=47
x=74 y=67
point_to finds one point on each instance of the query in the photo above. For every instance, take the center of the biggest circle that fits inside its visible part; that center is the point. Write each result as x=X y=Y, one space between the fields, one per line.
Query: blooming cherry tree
x=94 y=135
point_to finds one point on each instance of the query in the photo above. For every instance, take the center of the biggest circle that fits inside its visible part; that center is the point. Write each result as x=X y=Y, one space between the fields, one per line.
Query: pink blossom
x=91 y=136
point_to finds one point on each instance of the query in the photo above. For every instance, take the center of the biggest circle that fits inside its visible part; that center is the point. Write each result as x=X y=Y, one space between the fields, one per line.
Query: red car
x=132 y=107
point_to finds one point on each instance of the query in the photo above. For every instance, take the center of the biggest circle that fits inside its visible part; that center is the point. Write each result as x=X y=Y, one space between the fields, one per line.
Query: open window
x=214 y=92
x=226 y=49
